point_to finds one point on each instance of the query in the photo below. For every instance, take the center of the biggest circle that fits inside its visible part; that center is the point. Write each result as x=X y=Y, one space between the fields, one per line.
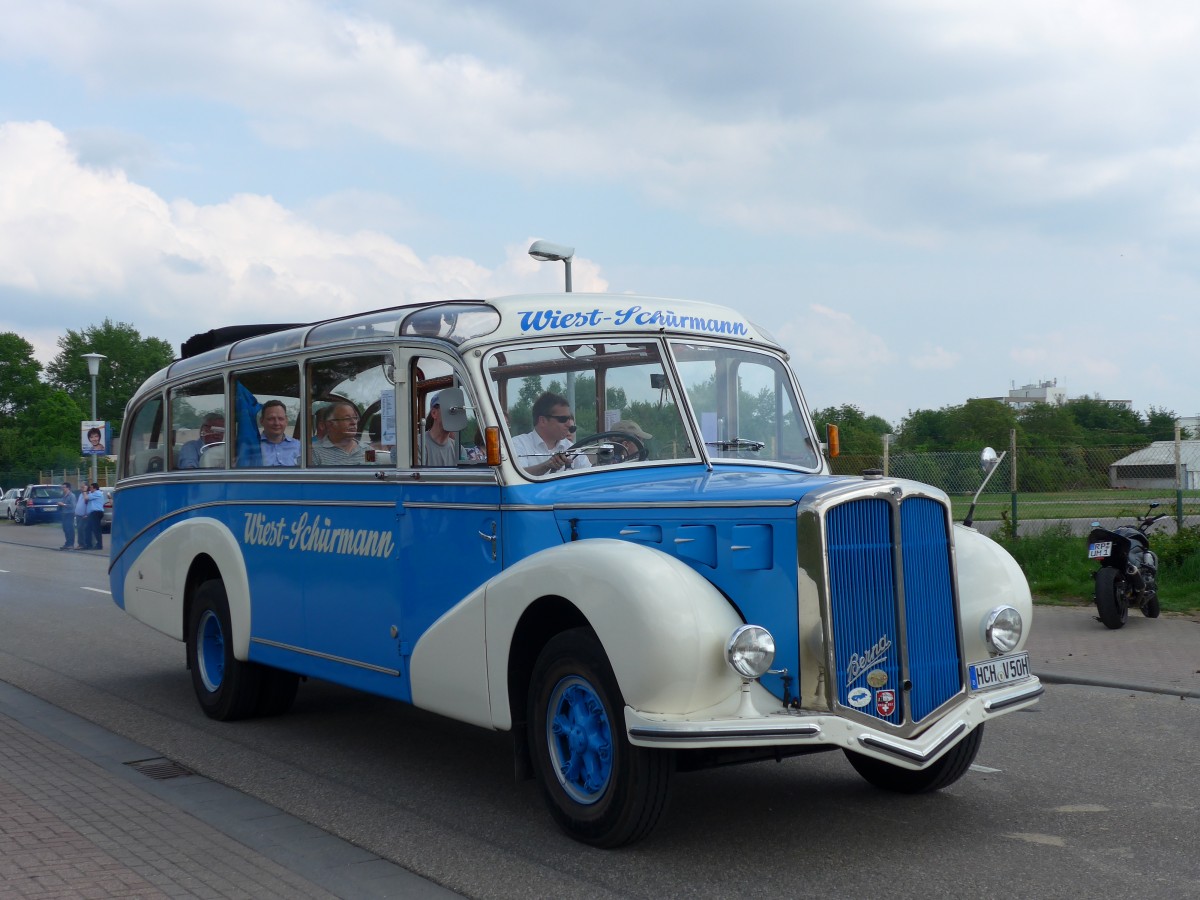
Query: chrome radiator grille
x=892 y=606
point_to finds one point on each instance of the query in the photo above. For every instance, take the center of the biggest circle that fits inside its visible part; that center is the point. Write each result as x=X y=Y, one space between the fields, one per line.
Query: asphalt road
x=1091 y=793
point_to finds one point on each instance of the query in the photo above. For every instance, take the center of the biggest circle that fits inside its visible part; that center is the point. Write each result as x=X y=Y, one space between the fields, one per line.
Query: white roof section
x=545 y=315
x=1163 y=453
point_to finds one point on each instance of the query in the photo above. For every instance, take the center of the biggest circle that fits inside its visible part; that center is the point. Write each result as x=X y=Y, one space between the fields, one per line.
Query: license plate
x=999 y=671
x=1100 y=550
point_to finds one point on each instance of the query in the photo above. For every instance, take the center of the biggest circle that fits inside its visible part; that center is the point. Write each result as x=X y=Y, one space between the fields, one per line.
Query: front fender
x=663 y=626
x=155 y=583
x=988 y=577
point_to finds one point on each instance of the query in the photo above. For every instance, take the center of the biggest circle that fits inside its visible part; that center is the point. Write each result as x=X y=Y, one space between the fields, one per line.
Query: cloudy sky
x=924 y=200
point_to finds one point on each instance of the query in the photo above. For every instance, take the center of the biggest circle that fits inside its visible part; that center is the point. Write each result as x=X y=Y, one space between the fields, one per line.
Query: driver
x=540 y=452
x=212 y=431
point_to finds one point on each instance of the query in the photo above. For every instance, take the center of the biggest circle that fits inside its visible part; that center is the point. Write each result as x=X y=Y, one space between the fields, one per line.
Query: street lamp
x=545 y=251
x=93 y=361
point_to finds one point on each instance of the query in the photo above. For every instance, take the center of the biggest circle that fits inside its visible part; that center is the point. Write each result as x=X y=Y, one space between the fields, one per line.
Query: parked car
x=8 y=503
x=106 y=522
x=39 y=503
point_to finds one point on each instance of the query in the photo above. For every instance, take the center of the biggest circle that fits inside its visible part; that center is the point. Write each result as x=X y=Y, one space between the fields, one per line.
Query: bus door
x=450 y=530
x=345 y=535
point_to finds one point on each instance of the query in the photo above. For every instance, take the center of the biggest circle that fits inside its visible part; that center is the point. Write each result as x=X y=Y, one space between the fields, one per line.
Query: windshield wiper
x=736 y=443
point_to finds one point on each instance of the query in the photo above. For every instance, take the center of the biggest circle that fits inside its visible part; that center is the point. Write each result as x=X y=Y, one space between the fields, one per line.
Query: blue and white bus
x=601 y=523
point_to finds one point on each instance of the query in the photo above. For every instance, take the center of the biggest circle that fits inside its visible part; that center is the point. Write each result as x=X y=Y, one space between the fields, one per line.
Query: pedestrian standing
x=81 y=520
x=66 y=515
x=95 y=508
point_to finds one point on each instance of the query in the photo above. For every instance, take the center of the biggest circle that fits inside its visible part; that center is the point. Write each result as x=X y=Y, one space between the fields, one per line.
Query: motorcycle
x=1128 y=573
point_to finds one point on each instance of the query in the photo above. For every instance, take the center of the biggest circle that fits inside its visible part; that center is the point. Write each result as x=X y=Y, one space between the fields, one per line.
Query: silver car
x=106 y=522
x=9 y=502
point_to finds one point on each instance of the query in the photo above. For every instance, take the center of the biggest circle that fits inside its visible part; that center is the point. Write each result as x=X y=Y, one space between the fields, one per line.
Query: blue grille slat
x=864 y=604
x=934 y=664
x=863 y=599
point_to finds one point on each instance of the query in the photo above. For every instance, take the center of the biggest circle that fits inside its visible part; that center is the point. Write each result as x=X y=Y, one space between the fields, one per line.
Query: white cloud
x=85 y=243
x=834 y=344
x=935 y=358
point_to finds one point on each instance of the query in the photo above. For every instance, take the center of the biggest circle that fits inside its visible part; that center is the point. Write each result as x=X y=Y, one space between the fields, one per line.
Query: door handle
x=490 y=537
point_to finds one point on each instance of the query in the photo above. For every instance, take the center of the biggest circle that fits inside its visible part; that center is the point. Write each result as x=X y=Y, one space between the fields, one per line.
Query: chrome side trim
x=880 y=743
x=327 y=656
x=693 y=734
x=483 y=507
x=677 y=504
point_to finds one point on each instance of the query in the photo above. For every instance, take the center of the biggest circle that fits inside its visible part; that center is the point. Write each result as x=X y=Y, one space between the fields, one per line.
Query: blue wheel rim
x=580 y=740
x=210 y=658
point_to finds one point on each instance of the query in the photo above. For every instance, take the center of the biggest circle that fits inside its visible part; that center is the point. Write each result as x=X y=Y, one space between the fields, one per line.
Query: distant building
x=1191 y=423
x=1047 y=392
x=1154 y=467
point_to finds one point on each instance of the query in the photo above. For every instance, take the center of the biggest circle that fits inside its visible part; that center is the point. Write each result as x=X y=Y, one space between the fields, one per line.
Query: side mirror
x=452 y=402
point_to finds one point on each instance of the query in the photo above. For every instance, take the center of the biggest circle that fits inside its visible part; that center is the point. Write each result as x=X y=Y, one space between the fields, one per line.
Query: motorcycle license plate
x=999 y=671
x=1100 y=550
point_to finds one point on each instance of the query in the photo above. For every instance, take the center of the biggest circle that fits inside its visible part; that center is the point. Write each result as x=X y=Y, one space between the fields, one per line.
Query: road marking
x=975 y=767
x=98 y=591
x=1083 y=807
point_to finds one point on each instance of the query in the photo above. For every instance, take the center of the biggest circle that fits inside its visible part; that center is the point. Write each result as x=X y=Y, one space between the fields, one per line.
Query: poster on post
x=95 y=438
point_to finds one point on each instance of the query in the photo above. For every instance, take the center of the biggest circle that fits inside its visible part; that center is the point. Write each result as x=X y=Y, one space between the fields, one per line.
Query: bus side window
x=144 y=453
x=348 y=398
x=267 y=417
x=198 y=423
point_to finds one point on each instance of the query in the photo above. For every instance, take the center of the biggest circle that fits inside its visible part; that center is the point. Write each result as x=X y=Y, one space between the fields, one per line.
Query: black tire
x=1152 y=608
x=942 y=773
x=600 y=789
x=276 y=691
x=1111 y=603
x=226 y=688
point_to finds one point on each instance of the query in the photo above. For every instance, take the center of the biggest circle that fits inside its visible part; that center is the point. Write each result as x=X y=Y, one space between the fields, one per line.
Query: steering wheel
x=620 y=453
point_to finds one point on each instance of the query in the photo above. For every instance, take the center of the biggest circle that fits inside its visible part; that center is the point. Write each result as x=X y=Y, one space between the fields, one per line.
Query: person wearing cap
x=632 y=450
x=540 y=451
x=438 y=446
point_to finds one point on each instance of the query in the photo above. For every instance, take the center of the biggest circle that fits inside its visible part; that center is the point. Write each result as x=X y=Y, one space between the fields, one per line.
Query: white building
x=1154 y=467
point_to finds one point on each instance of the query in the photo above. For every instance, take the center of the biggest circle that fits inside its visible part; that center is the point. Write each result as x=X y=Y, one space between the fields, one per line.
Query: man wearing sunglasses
x=540 y=452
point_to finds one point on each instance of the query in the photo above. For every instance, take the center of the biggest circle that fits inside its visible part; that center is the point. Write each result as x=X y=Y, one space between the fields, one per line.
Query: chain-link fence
x=1073 y=485
x=106 y=475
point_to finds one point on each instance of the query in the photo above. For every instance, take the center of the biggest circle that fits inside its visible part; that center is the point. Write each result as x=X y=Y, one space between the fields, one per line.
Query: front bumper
x=800 y=728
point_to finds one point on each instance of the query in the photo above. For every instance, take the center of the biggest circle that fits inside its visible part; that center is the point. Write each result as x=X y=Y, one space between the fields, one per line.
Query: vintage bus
x=603 y=524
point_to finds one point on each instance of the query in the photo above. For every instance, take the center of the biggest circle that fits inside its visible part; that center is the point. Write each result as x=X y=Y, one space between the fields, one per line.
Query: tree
x=20 y=383
x=131 y=359
x=858 y=433
x=1160 y=425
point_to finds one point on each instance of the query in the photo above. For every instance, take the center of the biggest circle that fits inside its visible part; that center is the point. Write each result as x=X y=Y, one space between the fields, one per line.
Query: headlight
x=750 y=651
x=1002 y=629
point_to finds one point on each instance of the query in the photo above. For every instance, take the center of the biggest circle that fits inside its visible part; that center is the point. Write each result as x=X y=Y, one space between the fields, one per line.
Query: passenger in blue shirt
x=95 y=517
x=278 y=449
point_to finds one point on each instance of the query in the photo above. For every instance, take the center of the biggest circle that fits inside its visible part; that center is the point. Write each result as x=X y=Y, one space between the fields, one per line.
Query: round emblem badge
x=877 y=678
x=859 y=697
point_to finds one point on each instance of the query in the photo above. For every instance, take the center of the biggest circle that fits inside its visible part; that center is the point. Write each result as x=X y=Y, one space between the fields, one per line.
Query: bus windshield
x=578 y=406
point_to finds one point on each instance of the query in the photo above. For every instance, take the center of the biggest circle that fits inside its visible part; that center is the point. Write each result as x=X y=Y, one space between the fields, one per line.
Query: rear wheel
x=1111 y=603
x=227 y=688
x=1152 y=608
x=942 y=773
x=600 y=789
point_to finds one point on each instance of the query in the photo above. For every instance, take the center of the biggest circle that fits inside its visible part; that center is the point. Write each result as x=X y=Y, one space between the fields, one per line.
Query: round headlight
x=1002 y=629
x=750 y=651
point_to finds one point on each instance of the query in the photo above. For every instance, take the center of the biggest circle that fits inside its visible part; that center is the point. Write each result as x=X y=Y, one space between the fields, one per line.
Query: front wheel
x=600 y=789
x=1111 y=602
x=227 y=688
x=942 y=773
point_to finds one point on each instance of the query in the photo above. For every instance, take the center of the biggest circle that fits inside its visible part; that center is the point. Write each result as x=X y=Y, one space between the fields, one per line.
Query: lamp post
x=93 y=363
x=544 y=251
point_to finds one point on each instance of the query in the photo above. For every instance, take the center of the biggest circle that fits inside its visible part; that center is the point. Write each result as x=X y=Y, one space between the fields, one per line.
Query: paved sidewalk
x=1068 y=645
x=79 y=820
